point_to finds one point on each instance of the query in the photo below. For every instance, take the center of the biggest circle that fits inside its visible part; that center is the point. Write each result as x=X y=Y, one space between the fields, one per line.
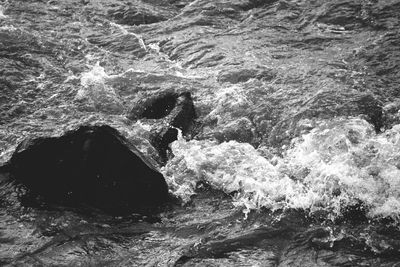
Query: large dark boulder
x=92 y=165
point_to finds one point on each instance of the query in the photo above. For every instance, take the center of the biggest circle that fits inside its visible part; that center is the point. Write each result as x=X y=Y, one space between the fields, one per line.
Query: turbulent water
x=295 y=159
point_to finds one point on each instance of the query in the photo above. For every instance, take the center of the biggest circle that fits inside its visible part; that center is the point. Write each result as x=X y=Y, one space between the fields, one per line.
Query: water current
x=295 y=157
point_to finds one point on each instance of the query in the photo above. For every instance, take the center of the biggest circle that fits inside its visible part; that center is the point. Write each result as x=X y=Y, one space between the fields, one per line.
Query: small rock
x=174 y=110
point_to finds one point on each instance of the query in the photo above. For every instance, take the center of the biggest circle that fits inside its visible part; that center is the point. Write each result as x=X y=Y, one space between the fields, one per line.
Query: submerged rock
x=92 y=165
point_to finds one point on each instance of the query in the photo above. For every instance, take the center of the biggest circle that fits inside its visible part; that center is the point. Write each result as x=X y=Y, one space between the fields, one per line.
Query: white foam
x=95 y=76
x=336 y=165
x=96 y=90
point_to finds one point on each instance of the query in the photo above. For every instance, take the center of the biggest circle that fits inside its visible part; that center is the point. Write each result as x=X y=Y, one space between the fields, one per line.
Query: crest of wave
x=338 y=164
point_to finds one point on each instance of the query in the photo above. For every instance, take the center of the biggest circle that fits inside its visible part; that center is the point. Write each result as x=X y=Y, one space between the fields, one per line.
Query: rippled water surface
x=295 y=157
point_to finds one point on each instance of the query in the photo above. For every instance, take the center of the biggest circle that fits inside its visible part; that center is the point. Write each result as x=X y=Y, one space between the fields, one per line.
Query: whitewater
x=292 y=157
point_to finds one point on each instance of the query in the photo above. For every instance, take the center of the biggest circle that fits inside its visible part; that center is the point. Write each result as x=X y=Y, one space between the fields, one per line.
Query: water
x=337 y=165
x=295 y=160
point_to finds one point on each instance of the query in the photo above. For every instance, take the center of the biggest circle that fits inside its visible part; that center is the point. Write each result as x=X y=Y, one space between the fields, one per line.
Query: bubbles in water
x=337 y=165
x=231 y=167
x=344 y=162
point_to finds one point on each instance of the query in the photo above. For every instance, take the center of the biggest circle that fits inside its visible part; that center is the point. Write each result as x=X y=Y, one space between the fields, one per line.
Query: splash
x=337 y=165
x=96 y=92
x=344 y=162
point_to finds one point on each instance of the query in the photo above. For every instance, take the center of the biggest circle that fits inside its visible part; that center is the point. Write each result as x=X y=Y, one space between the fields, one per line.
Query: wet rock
x=92 y=165
x=181 y=117
x=154 y=107
x=183 y=114
x=174 y=110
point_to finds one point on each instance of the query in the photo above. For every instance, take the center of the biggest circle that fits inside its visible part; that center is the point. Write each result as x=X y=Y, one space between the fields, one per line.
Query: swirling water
x=296 y=162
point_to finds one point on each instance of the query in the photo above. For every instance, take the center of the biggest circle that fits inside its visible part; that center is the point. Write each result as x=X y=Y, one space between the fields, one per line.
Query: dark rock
x=163 y=138
x=184 y=113
x=176 y=110
x=181 y=117
x=93 y=165
x=155 y=107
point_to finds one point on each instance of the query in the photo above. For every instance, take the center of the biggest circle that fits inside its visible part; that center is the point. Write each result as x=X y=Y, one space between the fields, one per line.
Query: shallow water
x=296 y=158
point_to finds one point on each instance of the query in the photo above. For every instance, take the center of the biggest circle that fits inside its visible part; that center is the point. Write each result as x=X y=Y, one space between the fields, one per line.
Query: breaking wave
x=337 y=165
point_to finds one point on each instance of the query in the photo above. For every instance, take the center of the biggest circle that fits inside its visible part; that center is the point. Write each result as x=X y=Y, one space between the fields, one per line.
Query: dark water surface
x=296 y=157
